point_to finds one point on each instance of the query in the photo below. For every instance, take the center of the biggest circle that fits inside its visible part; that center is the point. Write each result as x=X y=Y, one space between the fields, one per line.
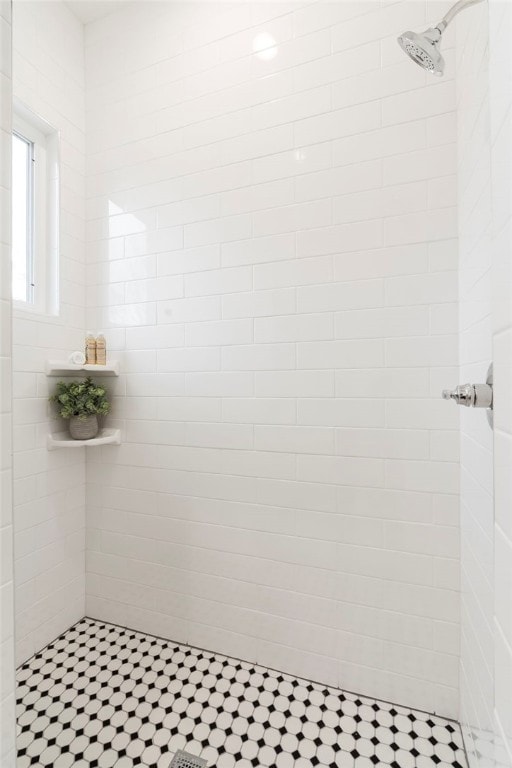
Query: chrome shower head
x=423 y=49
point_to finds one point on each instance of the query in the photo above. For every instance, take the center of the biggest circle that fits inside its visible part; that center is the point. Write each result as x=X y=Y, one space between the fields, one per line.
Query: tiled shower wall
x=501 y=168
x=475 y=253
x=7 y=704
x=271 y=248
x=49 y=489
x=484 y=76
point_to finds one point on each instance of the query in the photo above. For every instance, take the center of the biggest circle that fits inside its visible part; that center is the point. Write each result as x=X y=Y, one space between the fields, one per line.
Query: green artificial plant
x=80 y=399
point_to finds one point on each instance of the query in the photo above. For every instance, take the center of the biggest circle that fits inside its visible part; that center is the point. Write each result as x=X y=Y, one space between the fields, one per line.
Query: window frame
x=43 y=272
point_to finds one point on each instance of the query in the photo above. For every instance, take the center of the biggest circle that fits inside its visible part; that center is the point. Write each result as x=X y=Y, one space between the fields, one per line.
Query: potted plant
x=81 y=402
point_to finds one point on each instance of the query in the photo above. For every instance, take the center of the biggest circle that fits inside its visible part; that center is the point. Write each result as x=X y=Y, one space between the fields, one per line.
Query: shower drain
x=184 y=759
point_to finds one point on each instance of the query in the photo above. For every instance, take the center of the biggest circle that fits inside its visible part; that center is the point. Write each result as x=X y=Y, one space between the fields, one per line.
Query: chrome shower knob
x=475 y=395
x=470 y=395
x=463 y=394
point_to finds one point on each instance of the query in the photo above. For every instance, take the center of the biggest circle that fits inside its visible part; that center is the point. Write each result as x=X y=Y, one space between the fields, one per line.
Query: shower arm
x=452 y=13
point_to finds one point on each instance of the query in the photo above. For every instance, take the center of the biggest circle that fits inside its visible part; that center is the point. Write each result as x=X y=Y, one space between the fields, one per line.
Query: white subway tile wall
x=485 y=207
x=49 y=488
x=7 y=697
x=475 y=254
x=272 y=252
x=500 y=70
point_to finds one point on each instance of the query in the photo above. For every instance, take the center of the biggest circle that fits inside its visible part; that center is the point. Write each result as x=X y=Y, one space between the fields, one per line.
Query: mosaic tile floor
x=103 y=696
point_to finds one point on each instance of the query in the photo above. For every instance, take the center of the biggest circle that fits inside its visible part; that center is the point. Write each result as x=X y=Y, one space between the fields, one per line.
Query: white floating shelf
x=62 y=367
x=63 y=440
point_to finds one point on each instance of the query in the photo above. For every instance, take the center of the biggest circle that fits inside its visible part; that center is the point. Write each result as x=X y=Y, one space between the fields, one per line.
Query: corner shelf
x=63 y=440
x=62 y=367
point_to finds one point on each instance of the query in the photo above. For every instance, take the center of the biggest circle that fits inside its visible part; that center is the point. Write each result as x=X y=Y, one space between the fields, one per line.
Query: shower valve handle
x=471 y=395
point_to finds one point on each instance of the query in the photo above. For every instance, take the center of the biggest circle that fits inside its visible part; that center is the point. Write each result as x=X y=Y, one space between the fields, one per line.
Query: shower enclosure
x=295 y=552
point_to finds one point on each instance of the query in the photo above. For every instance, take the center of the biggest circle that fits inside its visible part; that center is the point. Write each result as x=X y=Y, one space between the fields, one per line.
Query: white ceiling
x=91 y=10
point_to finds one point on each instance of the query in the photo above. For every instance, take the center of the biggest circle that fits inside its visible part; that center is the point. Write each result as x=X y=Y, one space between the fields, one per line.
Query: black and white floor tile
x=102 y=696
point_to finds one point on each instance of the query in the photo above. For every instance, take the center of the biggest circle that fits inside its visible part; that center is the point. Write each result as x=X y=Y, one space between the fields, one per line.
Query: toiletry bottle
x=90 y=349
x=101 y=350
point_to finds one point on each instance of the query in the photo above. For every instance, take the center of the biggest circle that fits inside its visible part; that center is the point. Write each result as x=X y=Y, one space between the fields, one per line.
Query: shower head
x=423 y=49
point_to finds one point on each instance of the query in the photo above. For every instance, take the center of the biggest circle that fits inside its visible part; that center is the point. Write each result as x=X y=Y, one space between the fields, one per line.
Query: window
x=35 y=187
x=22 y=219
